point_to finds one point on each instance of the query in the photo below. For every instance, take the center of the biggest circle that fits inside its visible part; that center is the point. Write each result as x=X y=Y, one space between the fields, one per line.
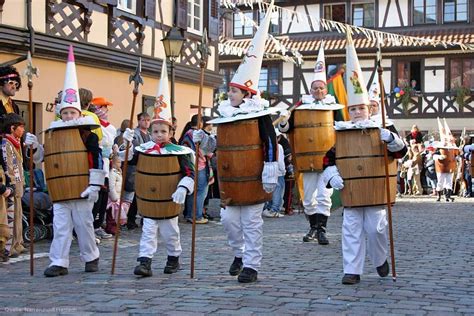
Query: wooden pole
x=205 y=52
x=30 y=71
x=387 y=176
x=137 y=79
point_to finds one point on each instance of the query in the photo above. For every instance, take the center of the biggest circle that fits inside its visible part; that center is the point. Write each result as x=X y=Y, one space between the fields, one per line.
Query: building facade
x=437 y=78
x=108 y=37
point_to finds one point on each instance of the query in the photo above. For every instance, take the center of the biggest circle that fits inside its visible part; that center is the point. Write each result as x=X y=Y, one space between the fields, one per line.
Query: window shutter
x=182 y=14
x=214 y=19
x=150 y=7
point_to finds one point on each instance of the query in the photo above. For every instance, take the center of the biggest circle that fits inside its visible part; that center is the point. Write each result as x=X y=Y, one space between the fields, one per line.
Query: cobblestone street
x=434 y=254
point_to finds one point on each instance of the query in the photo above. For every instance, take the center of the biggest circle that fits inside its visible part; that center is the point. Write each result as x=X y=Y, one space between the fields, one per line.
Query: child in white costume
x=360 y=222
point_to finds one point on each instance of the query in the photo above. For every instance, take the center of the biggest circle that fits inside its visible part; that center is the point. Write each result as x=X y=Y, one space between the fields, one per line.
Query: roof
x=334 y=42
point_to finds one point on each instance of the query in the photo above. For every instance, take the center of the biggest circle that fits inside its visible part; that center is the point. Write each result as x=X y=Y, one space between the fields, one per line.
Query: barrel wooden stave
x=66 y=164
x=448 y=164
x=156 y=180
x=240 y=163
x=360 y=161
x=313 y=135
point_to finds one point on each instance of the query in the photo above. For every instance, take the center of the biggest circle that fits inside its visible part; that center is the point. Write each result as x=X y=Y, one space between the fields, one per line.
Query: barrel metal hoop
x=365 y=156
x=159 y=174
x=66 y=152
x=239 y=179
x=372 y=177
x=310 y=153
x=238 y=148
x=322 y=124
x=153 y=200
x=68 y=176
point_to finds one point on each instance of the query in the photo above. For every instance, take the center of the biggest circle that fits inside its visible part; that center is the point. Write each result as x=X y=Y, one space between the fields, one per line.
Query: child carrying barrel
x=165 y=176
x=245 y=124
x=368 y=218
x=73 y=193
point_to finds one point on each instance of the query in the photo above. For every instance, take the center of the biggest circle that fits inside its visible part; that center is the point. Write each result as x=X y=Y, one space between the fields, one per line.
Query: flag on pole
x=337 y=89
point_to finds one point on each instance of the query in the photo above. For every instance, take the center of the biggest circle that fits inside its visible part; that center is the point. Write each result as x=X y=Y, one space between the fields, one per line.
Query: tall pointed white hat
x=449 y=136
x=70 y=96
x=320 y=66
x=247 y=75
x=162 y=110
x=374 y=91
x=356 y=88
x=442 y=132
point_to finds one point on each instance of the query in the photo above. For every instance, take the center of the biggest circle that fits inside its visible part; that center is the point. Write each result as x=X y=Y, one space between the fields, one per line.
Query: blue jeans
x=202 y=187
x=277 y=196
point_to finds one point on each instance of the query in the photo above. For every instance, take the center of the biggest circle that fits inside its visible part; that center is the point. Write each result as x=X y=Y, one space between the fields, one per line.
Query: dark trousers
x=98 y=211
x=132 y=212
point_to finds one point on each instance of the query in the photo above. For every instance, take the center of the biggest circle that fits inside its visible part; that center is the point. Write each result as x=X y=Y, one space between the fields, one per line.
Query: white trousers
x=244 y=228
x=445 y=181
x=317 y=198
x=77 y=215
x=169 y=231
x=358 y=223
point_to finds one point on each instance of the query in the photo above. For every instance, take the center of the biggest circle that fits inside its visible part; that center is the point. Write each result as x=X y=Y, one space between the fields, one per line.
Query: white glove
x=285 y=115
x=31 y=139
x=198 y=135
x=179 y=196
x=386 y=135
x=91 y=193
x=332 y=177
x=336 y=182
x=128 y=134
x=270 y=176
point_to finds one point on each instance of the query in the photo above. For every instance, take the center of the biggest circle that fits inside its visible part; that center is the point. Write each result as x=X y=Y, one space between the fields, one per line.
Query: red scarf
x=157 y=147
x=15 y=142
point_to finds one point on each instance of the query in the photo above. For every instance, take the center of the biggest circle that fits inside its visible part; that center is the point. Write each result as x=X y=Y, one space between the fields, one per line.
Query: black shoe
x=208 y=217
x=92 y=266
x=322 y=239
x=350 y=279
x=132 y=225
x=236 y=266
x=247 y=275
x=54 y=271
x=439 y=196
x=172 y=265
x=144 y=268
x=383 y=270
x=311 y=235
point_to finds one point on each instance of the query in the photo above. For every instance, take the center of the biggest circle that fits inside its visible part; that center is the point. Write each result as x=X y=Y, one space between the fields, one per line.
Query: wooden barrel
x=240 y=163
x=155 y=181
x=448 y=164
x=313 y=135
x=66 y=164
x=360 y=160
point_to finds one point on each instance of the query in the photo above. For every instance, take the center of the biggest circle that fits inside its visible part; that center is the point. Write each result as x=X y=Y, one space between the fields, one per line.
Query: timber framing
x=16 y=41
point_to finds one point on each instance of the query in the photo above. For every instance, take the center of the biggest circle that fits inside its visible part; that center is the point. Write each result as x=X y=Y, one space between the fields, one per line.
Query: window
x=243 y=25
x=462 y=73
x=363 y=15
x=424 y=11
x=335 y=12
x=195 y=16
x=407 y=72
x=129 y=6
x=274 y=22
x=227 y=74
x=455 y=10
x=269 y=81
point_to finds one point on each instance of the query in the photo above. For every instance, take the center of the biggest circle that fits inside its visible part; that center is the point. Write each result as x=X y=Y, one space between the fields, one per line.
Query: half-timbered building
x=108 y=37
x=439 y=78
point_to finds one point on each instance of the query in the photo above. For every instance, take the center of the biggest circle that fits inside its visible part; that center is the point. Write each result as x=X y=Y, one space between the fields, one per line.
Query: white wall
x=302 y=23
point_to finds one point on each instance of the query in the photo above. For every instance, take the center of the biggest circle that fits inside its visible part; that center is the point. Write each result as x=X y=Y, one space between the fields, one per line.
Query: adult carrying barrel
x=155 y=181
x=66 y=164
x=312 y=136
x=240 y=163
x=360 y=160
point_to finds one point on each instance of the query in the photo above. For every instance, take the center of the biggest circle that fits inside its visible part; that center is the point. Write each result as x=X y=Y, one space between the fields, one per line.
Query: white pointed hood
x=320 y=66
x=162 y=110
x=356 y=87
x=70 y=96
x=247 y=75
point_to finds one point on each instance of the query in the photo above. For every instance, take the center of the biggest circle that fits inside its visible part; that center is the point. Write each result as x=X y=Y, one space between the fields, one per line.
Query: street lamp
x=173 y=43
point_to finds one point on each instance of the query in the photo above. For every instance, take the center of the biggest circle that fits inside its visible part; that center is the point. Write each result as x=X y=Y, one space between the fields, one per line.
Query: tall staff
x=203 y=48
x=30 y=71
x=137 y=80
x=385 y=156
